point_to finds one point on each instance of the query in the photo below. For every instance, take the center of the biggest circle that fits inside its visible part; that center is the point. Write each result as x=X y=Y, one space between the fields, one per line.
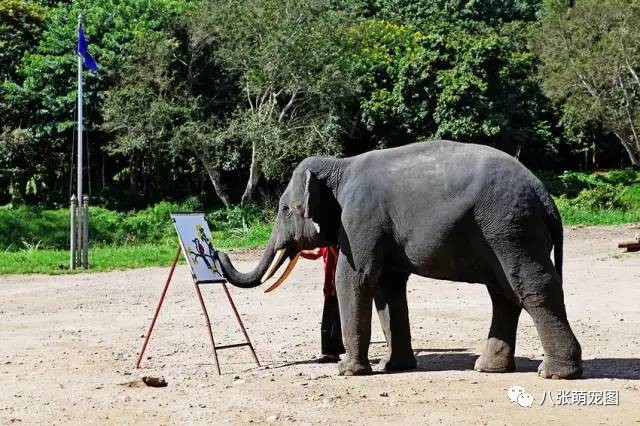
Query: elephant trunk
x=252 y=278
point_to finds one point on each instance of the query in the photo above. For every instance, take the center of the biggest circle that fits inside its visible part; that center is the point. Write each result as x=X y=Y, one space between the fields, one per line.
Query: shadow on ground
x=460 y=360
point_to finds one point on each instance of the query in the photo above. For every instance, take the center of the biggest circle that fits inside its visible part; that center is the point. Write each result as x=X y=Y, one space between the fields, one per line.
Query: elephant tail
x=555 y=228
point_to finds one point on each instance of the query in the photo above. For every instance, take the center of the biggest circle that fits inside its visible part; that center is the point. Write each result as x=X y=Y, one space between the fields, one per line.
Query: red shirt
x=330 y=258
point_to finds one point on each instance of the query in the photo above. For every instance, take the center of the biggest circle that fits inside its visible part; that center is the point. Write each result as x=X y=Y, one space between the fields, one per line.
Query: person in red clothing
x=330 y=331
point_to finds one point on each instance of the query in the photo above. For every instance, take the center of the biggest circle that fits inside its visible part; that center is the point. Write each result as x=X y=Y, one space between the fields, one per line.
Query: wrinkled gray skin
x=442 y=210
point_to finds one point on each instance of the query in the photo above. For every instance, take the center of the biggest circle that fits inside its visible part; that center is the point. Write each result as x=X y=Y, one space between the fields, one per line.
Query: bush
x=601 y=197
x=238 y=217
x=28 y=226
x=570 y=184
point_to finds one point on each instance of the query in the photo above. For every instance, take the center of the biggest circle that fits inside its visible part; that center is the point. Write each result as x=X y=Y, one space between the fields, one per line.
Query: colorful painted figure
x=204 y=251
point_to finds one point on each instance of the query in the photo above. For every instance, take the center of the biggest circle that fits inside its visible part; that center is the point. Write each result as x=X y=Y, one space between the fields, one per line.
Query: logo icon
x=519 y=394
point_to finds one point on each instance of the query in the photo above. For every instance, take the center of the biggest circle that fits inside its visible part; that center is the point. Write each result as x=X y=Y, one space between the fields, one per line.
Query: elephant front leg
x=391 y=304
x=498 y=354
x=355 y=298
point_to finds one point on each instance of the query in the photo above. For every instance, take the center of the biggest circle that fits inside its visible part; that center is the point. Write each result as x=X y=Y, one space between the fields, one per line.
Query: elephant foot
x=397 y=363
x=348 y=367
x=554 y=369
x=496 y=358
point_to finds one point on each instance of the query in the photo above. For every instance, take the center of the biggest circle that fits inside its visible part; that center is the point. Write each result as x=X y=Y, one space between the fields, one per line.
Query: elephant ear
x=311 y=196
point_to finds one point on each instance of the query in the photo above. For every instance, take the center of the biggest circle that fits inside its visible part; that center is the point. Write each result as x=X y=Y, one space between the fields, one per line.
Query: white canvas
x=197 y=246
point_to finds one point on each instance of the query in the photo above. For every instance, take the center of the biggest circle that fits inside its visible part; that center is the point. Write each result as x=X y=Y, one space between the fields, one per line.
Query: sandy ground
x=68 y=346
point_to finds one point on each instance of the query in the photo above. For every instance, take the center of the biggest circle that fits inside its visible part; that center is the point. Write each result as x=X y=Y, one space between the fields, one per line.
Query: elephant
x=439 y=209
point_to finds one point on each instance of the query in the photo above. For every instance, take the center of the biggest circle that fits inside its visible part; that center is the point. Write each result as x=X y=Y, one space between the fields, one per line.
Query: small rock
x=272 y=419
x=154 y=382
x=385 y=394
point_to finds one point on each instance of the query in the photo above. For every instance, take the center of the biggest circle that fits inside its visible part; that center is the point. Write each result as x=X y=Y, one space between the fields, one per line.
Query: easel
x=206 y=316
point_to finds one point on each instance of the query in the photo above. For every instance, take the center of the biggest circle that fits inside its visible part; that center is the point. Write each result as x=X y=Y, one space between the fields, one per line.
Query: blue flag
x=83 y=51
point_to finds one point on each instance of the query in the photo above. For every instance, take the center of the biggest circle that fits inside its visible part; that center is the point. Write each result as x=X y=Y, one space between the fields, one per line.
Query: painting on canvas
x=197 y=246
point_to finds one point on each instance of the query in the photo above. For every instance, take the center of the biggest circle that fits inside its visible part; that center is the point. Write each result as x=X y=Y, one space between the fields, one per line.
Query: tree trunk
x=214 y=176
x=254 y=177
x=632 y=146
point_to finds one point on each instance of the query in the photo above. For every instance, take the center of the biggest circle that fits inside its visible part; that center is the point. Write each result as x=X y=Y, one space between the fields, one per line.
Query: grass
x=112 y=257
x=572 y=215
x=107 y=258
x=602 y=198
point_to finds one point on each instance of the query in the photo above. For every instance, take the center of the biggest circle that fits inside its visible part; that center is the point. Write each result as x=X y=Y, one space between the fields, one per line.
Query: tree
x=41 y=97
x=293 y=97
x=169 y=102
x=591 y=62
x=237 y=89
x=447 y=75
x=20 y=28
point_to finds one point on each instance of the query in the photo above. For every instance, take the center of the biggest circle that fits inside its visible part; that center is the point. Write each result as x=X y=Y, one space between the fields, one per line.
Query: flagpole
x=80 y=217
x=79 y=120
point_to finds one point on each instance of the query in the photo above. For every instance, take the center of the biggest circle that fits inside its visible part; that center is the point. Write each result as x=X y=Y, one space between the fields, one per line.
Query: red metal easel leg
x=155 y=317
x=235 y=311
x=208 y=324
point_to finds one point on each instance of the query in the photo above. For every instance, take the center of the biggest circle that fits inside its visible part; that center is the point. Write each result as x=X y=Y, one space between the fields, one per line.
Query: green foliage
x=41 y=97
x=601 y=197
x=119 y=241
x=233 y=85
x=23 y=227
x=591 y=61
x=598 y=198
x=20 y=28
x=238 y=217
x=292 y=100
x=571 y=183
x=462 y=77
x=115 y=256
x=494 y=12
x=235 y=93
x=102 y=259
x=575 y=215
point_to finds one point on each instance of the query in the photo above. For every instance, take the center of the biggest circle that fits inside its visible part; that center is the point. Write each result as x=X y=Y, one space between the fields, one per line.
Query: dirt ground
x=68 y=346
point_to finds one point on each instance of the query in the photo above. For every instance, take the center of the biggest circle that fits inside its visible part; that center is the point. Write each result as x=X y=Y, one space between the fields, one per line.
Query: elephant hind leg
x=498 y=354
x=538 y=286
x=391 y=303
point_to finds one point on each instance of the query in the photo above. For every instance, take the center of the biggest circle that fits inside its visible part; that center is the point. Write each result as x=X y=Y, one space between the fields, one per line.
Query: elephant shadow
x=460 y=359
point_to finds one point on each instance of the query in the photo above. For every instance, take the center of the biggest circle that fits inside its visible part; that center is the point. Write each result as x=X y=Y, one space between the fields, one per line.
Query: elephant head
x=308 y=217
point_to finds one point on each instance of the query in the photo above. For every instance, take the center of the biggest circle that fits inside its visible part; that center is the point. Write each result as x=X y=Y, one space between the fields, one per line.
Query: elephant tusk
x=285 y=274
x=274 y=265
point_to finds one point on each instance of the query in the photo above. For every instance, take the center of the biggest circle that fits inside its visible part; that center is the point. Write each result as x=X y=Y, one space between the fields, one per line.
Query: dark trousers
x=330 y=331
